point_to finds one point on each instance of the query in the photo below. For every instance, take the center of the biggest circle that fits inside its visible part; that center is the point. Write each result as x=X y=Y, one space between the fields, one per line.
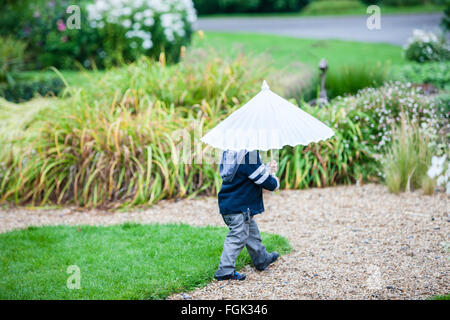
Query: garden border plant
x=115 y=143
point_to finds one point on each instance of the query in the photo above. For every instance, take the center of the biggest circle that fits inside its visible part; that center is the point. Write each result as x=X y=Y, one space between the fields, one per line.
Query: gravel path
x=348 y=242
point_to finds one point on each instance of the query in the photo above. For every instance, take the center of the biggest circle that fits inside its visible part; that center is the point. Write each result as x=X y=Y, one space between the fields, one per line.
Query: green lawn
x=286 y=50
x=71 y=76
x=442 y=297
x=129 y=261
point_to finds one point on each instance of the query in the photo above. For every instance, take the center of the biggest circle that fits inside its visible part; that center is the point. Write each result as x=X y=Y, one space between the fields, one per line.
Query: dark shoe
x=273 y=257
x=233 y=276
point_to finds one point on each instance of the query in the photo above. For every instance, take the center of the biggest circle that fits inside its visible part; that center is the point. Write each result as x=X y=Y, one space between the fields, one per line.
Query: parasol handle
x=271 y=159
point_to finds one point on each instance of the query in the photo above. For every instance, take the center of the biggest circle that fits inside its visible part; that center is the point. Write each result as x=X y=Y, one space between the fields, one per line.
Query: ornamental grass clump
x=132 y=137
x=121 y=141
x=407 y=159
x=343 y=159
x=347 y=80
x=202 y=80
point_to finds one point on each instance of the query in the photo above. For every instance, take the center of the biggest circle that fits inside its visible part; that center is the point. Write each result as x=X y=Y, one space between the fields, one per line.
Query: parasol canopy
x=266 y=122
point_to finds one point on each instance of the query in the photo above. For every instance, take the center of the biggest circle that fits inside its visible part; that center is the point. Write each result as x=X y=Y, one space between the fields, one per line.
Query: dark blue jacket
x=244 y=191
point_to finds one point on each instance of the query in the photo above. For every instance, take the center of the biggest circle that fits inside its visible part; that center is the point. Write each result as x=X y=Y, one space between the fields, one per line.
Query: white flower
x=149 y=22
x=147 y=44
x=111 y=19
x=169 y=35
x=439 y=161
x=126 y=11
x=137 y=3
x=148 y=13
x=138 y=16
x=436 y=170
x=440 y=180
x=126 y=23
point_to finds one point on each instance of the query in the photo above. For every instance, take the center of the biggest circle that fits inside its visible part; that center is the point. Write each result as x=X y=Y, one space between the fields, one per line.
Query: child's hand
x=273 y=166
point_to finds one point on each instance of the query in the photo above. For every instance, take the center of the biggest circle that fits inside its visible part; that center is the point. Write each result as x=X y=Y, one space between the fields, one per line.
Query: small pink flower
x=61 y=26
x=64 y=38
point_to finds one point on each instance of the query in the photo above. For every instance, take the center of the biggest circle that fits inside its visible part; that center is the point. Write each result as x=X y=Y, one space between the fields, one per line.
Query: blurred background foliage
x=34 y=36
x=239 y=6
x=309 y=7
x=111 y=137
x=42 y=25
x=118 y=141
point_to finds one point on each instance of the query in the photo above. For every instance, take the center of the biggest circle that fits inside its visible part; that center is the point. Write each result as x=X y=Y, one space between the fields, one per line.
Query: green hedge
x=23 y=90
x=435 y=73
x=234 y=6
x=319 y=7
x=404 y=3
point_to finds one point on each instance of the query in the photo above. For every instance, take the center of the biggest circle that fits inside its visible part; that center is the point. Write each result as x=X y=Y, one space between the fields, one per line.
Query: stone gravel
x=349 y=242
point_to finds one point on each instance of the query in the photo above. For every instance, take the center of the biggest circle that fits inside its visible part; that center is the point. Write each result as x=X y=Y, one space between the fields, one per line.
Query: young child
x=240 y=198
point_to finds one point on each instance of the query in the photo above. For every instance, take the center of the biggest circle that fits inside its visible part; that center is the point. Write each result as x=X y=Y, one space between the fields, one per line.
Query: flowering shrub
x=112 y=31
x=363 y=126
x=400 y=151
x=426 y=46
x=437 y=171
x=42 y=25
x=378 y=110
x=133 y=28
x=343 y=159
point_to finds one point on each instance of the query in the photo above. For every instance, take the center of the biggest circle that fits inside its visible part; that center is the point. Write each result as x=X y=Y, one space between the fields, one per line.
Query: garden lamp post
x=323 y=67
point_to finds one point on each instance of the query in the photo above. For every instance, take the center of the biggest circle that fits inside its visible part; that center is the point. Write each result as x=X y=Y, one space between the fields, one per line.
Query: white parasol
x=266 y=122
